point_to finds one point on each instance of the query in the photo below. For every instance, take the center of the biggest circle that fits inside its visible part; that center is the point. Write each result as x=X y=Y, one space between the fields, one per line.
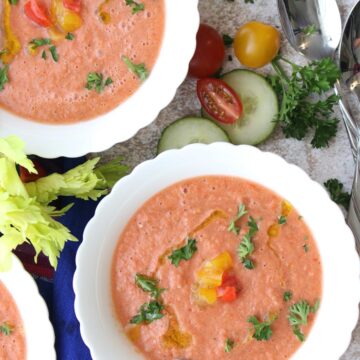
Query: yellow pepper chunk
x=273 y=230
x=286 y=208
x=66 y=19
x=207 y=296
x=12 y=45
x=222 y=262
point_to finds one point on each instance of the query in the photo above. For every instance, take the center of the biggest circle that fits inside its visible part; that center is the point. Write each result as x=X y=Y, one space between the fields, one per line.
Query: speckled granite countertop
x=333 y=162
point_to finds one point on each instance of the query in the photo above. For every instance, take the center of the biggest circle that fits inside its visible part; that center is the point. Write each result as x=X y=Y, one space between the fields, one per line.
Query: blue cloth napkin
x=59 y=295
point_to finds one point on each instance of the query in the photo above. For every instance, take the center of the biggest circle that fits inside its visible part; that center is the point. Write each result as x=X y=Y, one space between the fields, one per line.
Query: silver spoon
x=313 y=28
x=323 y=17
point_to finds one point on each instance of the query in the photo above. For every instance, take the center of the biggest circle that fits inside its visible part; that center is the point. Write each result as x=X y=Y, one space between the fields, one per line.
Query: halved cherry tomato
x=74 y=5
x=37 y=13
x=226 y=293
x=209 y=54
x=229 y=279
x=219 y=100
x=26 y=177
x=256 y=44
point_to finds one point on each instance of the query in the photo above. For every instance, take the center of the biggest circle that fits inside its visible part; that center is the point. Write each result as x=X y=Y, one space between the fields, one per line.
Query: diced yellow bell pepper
x=207 y=296
x=273 y=230
x=67 y=20
x=209 y=277
x=222 y=262
x=286 y=208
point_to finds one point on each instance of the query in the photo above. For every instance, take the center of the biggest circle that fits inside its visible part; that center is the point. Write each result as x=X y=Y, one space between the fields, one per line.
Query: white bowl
x=39 y=334
x=178 y=46
x=338 y=313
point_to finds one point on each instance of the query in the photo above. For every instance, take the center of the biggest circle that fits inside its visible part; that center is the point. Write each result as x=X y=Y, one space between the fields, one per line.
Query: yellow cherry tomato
x=256 y=44
x=67 y=20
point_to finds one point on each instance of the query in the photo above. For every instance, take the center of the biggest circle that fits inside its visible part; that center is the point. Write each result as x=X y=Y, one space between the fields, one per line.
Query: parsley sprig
x=184 y=253
x=136 y=7
x=6 y=329
x=148 y=285
x=4 y=76
x=337 y=194
x=298 y=316
x=232 y=226
x=97 y=82
x=246 y=247
x=138 y=69
x=300 y=112
x=309 y=30
x=39 y=42
x=229 y=345
x=262 y=330
x=148 y=313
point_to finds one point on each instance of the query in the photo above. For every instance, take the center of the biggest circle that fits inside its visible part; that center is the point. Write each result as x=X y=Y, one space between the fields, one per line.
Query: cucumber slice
x=260 y=108
x=190 y=130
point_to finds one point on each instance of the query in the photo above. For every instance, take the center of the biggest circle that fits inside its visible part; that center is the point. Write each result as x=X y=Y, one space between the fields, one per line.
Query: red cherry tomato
x=229 y=279
x=26 y=177
x=37 y=13
x=74 y=5
x=219 y=100
x=209 y=54
x=226 y=293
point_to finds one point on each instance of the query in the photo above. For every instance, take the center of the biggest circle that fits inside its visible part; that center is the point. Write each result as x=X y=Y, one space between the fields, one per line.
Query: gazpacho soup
x=12 y=337
x=216 y=267
x=65 y=61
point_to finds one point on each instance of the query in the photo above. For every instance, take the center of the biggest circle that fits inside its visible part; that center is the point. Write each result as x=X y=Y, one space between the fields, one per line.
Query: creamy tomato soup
x=115 y=42
x=216 y=268
x=12 y=338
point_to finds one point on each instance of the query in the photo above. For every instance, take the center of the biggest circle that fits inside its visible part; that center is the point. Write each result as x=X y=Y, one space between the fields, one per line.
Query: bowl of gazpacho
x=25 y=329
x=80 y=76
x=217 y=252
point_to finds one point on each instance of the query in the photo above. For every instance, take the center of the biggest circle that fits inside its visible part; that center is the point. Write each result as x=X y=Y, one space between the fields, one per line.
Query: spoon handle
x=354 y=209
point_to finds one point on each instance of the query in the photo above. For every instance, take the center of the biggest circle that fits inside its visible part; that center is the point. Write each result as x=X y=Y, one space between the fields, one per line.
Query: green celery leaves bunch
x=305 y=104
x=26 y=210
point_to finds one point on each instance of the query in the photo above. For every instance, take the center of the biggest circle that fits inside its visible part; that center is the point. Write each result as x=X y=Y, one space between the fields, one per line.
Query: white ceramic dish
x=338 y=313
x=39 y=333
x=51 y=141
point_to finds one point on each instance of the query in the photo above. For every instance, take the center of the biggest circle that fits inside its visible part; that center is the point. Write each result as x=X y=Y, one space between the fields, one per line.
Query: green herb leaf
x=309 y=30
x=184 y=253
x=35 y=43
x=13 y=2
x=298 y=333
x=246 y=247
x=282 y=220
x=148 y=313
x=70 y=36
x=306 y=248
x=232 y=226
x=136 y=7
x=228 y=40
x=304 y=104
x=262 y=330
x=287 y=296
x=43 y=55
x=229 y=345
x=316 y=306
x=138 y=69
x=335 y=189
x=6 y=329
x=96 y=81
x=54 y=53
x=4 y=77
x=148 y=285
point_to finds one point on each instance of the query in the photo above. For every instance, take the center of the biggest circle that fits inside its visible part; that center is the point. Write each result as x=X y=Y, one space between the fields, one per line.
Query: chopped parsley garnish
x=4 y=78
x=148 y=313
x=70 y=36
x=262 y=330
x=335 y=189
x=43 y=55
x=136 y=7
x=184 y=253
x=246 y=247
x=282 y=219
x=54 y=53
x=148 y=285
x=287 y=296
x=35 y=43
x=4 y=51
x=13 y=2
x=96 y=81
x=6 y=329
x=138 y=69
x=305 y=105
x=232 y=226
x=309 y=30
x=229 y=345
x=298 y=316
x=228 y=40
x=306 y=248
